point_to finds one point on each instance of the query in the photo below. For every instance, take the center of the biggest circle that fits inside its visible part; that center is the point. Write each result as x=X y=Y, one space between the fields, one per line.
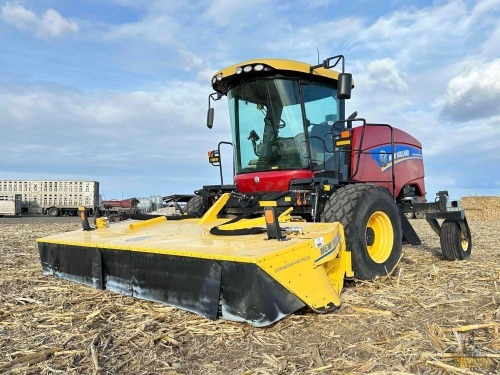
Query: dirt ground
x=432 y=317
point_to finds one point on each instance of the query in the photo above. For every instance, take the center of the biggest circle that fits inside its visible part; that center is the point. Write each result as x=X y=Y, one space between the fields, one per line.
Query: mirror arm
x=326 y=63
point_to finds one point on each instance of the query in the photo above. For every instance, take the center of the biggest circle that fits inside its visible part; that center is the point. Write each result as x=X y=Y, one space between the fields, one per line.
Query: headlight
x=258 y=67
x=247 y=68
x=239 y=70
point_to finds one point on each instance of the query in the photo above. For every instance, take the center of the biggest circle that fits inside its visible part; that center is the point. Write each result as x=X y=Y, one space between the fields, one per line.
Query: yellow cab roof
x=280 y=65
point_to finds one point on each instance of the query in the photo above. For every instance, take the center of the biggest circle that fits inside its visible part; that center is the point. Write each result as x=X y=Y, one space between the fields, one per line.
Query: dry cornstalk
x=454 y=355
x=29 y=359
x=93 y=350
x=317 y=369
x=454 y=369
x=371 y=311
x=471 y=327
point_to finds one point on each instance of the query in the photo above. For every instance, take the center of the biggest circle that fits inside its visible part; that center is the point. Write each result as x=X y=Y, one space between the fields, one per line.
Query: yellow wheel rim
x=464 y=241
x=379 y=237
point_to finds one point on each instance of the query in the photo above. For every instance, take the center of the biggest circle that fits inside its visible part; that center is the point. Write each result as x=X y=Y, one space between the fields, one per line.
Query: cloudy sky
x=116 y=91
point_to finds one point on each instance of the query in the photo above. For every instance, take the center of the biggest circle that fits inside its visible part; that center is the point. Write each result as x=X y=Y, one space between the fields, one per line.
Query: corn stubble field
x=431 y=317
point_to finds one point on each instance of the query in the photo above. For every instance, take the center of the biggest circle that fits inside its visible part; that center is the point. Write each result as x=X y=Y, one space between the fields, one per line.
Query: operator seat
x=320 y=138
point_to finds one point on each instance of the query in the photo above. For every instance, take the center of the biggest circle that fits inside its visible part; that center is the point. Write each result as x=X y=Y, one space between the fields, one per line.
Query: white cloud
x=474 y=94
x=484 y=7
x=489 y=48
x=384 y=75
x=141 y=126
x=159 y=28
x=49 y=25
x=327 y=36
x=235 y=13
x=412 y=32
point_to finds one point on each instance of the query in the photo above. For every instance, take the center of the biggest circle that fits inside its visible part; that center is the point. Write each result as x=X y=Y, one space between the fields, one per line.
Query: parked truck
x=53 y=197
x=10 y=205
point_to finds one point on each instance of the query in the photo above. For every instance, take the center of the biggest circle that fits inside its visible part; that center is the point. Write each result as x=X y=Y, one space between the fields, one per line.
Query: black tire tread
x=341 y=208
x=195 y=207
x=450 y=239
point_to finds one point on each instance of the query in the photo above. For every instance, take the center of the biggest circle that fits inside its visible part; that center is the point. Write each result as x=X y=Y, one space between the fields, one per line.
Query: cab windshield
x=269 y=118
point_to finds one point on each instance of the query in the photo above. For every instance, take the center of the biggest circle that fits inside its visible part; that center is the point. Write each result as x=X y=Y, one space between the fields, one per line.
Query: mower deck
x=240 y=278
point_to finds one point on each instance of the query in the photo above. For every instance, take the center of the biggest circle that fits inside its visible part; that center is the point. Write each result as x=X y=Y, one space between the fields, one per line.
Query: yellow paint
x=318 y=287
x=211 y=214
x=147 y=223
x=286 y=216
x=268 y=204
x=381 y=225
x=101 y=222
x=343 y=143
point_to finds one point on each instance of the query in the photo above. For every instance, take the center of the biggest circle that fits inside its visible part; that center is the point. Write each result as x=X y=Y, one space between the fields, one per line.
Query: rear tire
x=372 y=228
x=454 y=244
x=195 y=207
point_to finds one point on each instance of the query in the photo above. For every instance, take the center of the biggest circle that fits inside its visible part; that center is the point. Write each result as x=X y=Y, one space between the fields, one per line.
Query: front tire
x=372 y=228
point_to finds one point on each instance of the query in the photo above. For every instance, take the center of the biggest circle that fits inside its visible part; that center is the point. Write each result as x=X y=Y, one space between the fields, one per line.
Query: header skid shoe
x=247 y=278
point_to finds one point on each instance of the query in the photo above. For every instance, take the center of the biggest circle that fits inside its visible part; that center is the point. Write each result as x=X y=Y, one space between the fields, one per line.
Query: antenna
x=317 y=50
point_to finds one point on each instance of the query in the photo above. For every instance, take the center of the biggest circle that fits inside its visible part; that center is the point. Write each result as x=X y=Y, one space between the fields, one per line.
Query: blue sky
x=117 y=91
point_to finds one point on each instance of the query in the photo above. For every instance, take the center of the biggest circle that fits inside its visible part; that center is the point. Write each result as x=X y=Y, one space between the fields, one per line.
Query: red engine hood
x=268 y=181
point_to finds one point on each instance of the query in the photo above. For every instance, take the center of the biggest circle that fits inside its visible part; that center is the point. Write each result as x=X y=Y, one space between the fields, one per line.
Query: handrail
x=360 y=151
x=220 y=158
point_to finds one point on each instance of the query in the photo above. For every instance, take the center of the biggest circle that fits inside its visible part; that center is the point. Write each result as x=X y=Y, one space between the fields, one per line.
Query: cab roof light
x=259 y=67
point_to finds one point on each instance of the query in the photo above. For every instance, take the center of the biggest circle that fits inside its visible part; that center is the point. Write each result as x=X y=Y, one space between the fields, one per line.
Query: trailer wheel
x=53 y=211
x=454 y=244
x=195 y=207
x=372 y=228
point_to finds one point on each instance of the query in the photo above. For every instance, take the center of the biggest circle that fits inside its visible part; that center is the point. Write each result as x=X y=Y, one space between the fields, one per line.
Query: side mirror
x=344 y=85
x=210 y=118
x=210 y=115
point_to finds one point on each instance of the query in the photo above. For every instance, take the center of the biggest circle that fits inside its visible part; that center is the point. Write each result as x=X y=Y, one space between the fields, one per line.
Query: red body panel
x=375 y=163
x=268 y=181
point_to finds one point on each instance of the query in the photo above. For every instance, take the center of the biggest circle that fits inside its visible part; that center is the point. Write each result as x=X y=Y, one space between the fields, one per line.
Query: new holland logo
x=384 y=157
x=326 y=250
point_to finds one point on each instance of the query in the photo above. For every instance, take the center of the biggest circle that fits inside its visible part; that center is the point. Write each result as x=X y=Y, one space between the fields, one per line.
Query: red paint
x=409 y=172
x=269 y=181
